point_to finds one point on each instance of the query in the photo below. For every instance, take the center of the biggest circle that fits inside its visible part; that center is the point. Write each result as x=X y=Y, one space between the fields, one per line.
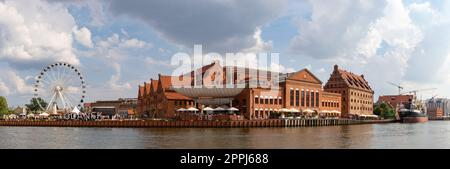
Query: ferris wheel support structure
x=61 y=85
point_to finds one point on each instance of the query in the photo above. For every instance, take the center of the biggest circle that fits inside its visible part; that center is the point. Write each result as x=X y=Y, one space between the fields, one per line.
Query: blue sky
x=120 y=44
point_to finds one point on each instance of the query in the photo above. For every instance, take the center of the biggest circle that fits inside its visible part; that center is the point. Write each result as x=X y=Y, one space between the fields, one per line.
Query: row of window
x=361 y=108
x=273 y=101
x=340 y=85
x=358 y=94
x=308 y=99
x=183 y=102
x=360 y=101
x=330 y=104
x=337 y=91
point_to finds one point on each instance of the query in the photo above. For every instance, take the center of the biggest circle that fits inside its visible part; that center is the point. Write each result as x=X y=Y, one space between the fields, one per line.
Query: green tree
x=34 y=104
x=384 y=110
x=3 y=106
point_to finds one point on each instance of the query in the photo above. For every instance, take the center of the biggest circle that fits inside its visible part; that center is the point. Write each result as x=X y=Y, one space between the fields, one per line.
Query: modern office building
x=437 y=107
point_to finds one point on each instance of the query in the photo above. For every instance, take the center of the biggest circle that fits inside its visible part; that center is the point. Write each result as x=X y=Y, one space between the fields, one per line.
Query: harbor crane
x=400 y=88
x=417 y=102
x=414 y=92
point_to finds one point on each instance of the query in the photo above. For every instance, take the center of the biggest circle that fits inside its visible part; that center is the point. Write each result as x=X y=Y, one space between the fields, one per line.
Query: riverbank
x=194 y=124
x=440 y=119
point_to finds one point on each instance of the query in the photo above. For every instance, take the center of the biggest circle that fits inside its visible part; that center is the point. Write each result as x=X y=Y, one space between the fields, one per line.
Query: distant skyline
x=120 y=44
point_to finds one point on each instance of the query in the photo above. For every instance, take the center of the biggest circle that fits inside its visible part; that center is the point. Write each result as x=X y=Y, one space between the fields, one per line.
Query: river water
x=433 y=134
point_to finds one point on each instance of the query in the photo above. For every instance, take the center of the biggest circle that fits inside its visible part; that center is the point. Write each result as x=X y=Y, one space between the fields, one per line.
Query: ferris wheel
x=61 y=86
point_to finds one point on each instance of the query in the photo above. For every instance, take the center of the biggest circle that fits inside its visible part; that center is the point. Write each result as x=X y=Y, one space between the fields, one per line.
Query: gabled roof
x=165 y=82
x=292 y=76
x=353 y=80
x=141 y=91
x=147 y=89
x=175 y=96
x=153 y=86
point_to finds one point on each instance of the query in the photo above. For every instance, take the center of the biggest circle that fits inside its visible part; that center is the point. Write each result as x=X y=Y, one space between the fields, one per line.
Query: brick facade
x=357 y=95
x=396 y=100
x=301 y=91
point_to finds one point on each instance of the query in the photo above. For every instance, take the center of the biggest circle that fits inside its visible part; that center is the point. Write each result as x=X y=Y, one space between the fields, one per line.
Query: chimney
x=336 y=67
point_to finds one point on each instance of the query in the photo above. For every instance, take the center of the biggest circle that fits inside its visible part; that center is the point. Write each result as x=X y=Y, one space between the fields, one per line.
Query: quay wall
x=439 y=118
x=194 y=124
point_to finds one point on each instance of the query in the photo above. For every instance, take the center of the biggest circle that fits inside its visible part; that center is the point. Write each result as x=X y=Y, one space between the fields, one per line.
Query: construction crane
x=414 y=92
x=400 y=88
x=418 y=103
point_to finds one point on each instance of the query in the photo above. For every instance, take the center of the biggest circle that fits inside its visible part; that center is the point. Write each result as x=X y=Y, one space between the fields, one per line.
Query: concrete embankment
x=193 y=124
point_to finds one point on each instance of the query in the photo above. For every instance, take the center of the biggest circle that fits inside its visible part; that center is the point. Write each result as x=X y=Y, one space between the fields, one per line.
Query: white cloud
x=12 y=83
x=4 y=90
x=134 y=43
x=114 y=83
x=20 y=85
x=280 y=68
x=152 y=61
x=321 y=70
x=222 y=26
x=83 y=36
x=115 y=47
x=335 y=27
x=35 y=32
x=260 y=45
x=376 y=38
x=116 y=41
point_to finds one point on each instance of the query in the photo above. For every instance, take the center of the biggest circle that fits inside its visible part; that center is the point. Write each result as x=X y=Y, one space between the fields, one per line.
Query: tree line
x=33 y=106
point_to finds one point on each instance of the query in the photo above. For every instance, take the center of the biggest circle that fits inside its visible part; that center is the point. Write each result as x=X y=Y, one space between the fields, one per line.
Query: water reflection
x=396 y=135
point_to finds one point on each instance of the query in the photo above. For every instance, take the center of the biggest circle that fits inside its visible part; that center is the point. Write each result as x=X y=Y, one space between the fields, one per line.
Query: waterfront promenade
x=194 y=124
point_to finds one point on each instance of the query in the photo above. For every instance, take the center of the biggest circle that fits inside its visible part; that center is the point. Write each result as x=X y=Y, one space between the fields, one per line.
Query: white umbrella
x=308 y=111
x=191 y=109
x=44 y=114
x=335 y=111
x=219 y=109
x=284 y=110
x=30 y=115
x=294 y=110
x=181 y=109
x=233 y=109
x=208 y=109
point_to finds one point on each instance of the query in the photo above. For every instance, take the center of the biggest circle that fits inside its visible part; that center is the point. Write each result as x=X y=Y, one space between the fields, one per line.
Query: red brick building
x=357 y=95
x=298 y=93
x=396 y=101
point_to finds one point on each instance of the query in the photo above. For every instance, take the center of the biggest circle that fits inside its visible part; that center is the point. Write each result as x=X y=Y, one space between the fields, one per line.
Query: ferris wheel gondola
x=61 y=85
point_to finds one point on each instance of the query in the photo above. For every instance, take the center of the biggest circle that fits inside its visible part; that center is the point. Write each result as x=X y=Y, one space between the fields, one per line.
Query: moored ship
x=412 y=114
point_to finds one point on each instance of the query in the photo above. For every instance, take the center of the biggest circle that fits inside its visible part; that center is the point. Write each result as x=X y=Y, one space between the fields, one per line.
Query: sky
x=120 y=44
